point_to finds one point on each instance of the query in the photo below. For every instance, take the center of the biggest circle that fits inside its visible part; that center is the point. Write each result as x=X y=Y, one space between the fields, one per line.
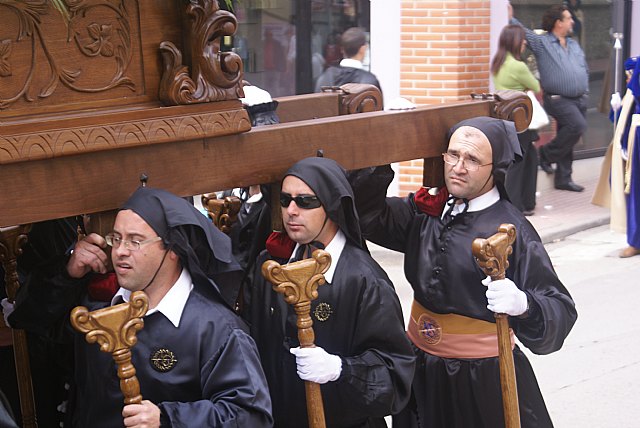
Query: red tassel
x=279 y=245
x=431 y=204
x=102 y=287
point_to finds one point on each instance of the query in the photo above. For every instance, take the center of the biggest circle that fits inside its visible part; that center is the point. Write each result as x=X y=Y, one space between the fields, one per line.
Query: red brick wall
x=444 y=56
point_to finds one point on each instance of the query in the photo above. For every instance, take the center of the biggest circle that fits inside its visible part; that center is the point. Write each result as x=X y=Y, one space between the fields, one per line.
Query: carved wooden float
x=95 y=93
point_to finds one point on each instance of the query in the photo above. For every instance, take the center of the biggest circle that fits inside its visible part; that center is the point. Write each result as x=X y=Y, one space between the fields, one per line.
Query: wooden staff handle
x=299 y=282
x=492 y=254
x=12 y=239
x=114 y=329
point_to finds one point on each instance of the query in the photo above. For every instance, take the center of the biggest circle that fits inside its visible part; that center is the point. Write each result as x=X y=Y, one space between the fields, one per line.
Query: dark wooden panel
x=99 y=181
x=310 y=106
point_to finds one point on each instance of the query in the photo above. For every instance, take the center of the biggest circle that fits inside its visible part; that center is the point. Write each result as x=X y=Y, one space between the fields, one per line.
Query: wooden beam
x=310 y=106
x=99 y=181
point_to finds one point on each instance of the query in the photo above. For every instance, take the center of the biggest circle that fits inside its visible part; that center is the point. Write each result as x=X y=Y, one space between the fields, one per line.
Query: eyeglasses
x=306 y=202
x=131 y=245
x=468 y=164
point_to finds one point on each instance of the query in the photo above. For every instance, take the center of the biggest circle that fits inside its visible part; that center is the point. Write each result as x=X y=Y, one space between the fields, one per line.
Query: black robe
x=50 y=359
x=445 y=278
x=217 y=380
x=365 y=328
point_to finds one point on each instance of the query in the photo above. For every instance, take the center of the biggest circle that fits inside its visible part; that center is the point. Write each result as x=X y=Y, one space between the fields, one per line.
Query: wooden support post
x=12 y=239
x=114 y=328
x=492 y=256
x=299 y=282
x=222 y=212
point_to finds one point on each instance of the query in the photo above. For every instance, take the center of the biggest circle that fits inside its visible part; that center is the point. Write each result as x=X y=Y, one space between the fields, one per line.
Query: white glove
x=316 y=365
x=615 y=102
x=7 y=309
x=504 y=297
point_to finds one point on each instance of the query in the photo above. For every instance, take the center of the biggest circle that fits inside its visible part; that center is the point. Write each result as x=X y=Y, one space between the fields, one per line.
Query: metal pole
x=617 y=45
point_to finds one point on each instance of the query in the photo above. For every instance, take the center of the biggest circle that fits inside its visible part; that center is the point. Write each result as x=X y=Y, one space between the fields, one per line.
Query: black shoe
x=570 y=186
x=545 y=165
x=528 y=212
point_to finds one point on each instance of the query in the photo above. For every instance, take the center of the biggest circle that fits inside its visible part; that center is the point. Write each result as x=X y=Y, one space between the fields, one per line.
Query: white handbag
x=539 y=118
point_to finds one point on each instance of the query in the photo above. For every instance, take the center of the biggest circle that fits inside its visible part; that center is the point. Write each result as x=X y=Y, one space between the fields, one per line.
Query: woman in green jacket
x=510 y=72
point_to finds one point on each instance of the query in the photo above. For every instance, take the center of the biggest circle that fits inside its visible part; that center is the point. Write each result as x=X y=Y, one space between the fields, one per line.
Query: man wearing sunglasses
x=196 y=364
x=452 y=325
x=362 y=357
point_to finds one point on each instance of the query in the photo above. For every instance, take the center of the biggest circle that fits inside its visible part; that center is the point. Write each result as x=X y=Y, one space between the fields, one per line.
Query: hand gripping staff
x=299 y=282
x=114 y=328
x=492 y=254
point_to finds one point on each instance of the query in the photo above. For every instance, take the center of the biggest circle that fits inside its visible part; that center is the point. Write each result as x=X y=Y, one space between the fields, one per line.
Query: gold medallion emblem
x=429 y=329
x=163 y=360
x=322 y=312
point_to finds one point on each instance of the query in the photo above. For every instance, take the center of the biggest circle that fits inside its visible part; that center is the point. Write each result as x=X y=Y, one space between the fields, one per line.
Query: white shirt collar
x=334 y=248
x=353 y=63
x=476 y=204
x=172 y=304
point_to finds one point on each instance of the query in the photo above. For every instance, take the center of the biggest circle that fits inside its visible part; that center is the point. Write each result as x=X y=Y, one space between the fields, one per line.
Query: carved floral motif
x=101 y=35
x=110 y=39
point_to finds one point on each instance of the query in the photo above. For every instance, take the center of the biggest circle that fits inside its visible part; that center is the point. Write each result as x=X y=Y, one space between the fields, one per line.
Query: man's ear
x=173 y=255
x=362 y=52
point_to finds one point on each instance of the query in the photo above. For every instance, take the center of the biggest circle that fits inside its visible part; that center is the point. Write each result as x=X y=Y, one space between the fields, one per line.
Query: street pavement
x=594 y=380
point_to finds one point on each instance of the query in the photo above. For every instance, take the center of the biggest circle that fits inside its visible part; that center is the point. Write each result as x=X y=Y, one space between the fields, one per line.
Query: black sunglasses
x=306 y=202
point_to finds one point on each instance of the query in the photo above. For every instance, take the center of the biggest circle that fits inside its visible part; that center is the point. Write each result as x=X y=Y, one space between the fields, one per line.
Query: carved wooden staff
x=492 y=256
x=299 y=282
x=12 y=240
x=114 y=328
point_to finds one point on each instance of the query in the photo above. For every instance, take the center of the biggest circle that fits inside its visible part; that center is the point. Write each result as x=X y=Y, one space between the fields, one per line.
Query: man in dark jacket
x=196 y=364
x=354 y=48
x=362 y=357
x=452 y=326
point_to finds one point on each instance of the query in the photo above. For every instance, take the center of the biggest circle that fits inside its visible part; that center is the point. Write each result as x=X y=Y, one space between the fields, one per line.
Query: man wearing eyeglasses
x=196 y=364
x=452 y=325
x=362 y=358
x=564 y=76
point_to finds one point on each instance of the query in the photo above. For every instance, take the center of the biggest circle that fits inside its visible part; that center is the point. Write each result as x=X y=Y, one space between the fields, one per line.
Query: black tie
x=304 y=251
x=451 y=203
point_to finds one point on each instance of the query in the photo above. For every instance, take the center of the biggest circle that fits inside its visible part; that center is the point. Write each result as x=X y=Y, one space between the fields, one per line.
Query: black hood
x=202 y=248
x=328 y=180
x=505 y=148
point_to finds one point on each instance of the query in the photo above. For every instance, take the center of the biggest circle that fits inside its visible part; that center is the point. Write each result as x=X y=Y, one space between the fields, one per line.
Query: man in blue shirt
x=564 y=77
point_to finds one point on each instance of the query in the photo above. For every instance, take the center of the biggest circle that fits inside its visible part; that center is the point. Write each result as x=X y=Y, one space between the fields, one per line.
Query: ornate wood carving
x=12 y=239
x=299 y=282
x=510 y=105
x=57 y=138
x=360 y=98
x=223 y=212
x=114 y=329
x=492 y=255
x=86 y=46
x=215 y=75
